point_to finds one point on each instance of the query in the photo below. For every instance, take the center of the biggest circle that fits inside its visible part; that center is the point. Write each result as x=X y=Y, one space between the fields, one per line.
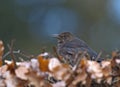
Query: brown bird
x=69 y=46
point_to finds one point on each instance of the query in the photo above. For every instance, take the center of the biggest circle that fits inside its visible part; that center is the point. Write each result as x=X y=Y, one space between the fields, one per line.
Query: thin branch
x=98 y=57
x=11 y=52
x=43 y=49
x=6 y=54
x=22 y=53
x=79 y=56
x=29 y=56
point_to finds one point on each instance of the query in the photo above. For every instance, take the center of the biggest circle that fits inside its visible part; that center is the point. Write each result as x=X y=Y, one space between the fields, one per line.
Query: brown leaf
x=81 y=77
x=11 y=68
x=58 y=70
x=21 y=72
x=1 y=52
x=114 y=53
x=88 y=81
x=43 y=63
x=1 y=63
x=37 y=80
x=106 y=68
x=12 y=81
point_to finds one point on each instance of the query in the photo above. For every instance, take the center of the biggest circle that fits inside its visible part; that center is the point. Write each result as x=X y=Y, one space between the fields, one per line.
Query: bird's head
x=64 y=37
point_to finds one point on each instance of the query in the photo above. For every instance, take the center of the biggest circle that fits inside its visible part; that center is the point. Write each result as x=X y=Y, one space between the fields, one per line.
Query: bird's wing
x=69 y=54
x=67 y=50
x=78 y=45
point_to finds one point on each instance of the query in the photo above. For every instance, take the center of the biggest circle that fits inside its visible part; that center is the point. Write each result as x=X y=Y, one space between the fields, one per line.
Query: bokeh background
x=32 y=22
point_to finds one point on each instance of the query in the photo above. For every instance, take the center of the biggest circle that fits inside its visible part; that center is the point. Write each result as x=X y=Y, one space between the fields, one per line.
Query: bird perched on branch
x=69 y=46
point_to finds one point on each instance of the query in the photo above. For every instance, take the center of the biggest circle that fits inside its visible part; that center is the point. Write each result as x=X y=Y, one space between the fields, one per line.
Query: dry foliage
x=49 y=71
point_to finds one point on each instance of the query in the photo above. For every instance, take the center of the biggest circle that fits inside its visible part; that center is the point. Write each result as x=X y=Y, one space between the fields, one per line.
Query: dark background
x=32 y=22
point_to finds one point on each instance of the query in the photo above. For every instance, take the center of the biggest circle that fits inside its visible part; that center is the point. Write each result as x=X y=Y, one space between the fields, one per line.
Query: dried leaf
x=59 y=84
x=53 y=63
x=21 y=72
x=43 y=63
x=1 y=52
x=11 y=68
x=36 y=80
x=80 y=78
x=12 y=81
x=94 y=69
x=106 y=68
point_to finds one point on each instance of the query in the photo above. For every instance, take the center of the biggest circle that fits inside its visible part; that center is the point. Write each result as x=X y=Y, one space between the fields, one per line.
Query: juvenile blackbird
x=69 y=46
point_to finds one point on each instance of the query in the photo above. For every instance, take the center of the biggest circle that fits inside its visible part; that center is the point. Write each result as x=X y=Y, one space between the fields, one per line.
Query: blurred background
x=32 y=22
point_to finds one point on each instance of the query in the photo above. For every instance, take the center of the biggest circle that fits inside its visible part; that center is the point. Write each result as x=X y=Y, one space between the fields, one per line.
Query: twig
x=117 y=80
x=79 y=58
x=98 y=57
x=11 y=52
x=43 y=49
x=29 y=56
x=20 y=53
x=76 y=66
x=6 y=54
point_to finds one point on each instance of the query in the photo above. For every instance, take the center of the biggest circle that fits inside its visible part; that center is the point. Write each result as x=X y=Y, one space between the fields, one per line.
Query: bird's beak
x=55 y=35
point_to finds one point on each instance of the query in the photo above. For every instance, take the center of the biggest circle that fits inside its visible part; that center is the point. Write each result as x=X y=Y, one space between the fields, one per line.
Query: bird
x=68 y=46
